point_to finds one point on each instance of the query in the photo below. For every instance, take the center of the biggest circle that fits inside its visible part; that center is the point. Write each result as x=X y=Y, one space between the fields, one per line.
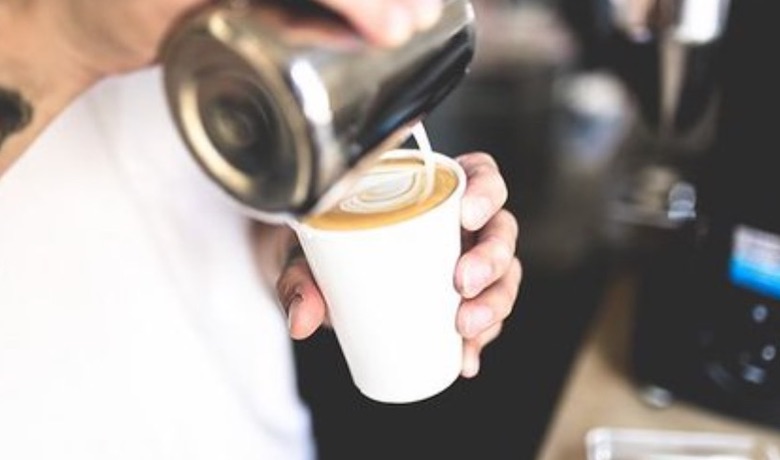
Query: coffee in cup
x=394 y=190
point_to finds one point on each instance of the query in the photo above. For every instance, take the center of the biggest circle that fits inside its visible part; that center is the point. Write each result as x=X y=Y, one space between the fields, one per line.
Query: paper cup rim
x=440 y=158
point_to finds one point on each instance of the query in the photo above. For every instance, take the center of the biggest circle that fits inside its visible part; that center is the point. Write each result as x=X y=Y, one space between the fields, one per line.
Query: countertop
x=599 y=392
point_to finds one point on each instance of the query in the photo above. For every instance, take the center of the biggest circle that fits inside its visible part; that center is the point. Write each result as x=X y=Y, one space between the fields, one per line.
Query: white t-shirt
x=133 y=324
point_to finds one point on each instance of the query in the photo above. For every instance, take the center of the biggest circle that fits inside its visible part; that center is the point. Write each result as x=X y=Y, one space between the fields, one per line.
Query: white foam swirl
x=386 y=190
x=391 y=187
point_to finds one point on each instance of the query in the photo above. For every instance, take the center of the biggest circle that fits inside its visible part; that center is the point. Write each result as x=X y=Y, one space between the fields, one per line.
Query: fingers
x=472 y=349
x=481 y=320
x=491 y=306
x=490 y=257
x=301 y=299
x=488 y=274
x=486 y=191
x=388 y=22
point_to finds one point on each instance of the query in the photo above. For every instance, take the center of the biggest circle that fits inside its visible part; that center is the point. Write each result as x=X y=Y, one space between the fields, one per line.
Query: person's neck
x=35 y=76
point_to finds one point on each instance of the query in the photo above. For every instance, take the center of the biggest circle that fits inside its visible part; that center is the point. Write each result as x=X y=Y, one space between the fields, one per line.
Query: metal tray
x=605 y=443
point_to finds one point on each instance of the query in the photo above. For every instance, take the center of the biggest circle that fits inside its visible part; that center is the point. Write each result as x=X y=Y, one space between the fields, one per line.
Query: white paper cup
x=391 y=296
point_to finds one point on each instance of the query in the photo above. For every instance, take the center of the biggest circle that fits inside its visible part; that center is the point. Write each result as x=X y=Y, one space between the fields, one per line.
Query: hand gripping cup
x=384 y=258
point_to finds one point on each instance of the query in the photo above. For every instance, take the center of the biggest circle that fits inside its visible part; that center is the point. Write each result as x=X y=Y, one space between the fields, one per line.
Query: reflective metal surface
x=280 y=101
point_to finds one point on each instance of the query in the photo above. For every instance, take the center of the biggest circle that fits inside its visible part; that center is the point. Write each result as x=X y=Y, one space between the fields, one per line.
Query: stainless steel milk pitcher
x=280 y=101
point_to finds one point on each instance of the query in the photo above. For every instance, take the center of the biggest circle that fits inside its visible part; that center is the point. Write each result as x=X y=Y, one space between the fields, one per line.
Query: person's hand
x=487 y=275
x=53 y=50
x=489 y=272
x=110 y=37
x=94 y=38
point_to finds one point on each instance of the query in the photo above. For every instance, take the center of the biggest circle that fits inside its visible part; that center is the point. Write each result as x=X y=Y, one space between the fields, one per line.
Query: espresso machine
x=692 y=203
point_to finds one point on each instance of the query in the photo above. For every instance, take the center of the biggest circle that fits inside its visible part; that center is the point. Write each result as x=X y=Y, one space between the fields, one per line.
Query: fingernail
x=477 y=276
x=399 y=25
x=470 y=365
x=292 y=306
x=478 y=320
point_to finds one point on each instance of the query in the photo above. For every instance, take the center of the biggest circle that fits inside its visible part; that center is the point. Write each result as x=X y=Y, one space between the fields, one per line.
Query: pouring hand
x=84 y=41
x=118 y=36
x=388 y=22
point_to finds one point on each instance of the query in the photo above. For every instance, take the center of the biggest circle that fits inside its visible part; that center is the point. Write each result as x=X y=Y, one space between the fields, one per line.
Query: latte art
x=385 y=191
x=394 y=190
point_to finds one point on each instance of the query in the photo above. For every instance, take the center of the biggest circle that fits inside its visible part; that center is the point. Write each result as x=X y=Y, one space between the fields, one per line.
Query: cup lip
x=440 y=158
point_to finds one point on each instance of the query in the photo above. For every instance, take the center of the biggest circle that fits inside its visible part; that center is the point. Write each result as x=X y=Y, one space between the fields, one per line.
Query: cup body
x=392 y=300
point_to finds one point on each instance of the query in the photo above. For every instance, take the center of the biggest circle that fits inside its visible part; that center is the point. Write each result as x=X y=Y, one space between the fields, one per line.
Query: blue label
x=755 y=261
